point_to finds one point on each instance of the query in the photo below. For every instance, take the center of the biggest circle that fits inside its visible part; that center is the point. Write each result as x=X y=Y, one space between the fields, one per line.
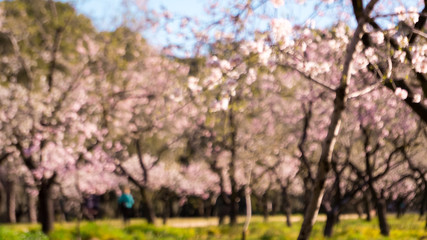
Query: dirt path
x=212 y=221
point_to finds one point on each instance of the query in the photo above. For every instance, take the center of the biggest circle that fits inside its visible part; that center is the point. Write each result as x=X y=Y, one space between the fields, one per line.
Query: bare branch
x=364 y=91
x=318 y=82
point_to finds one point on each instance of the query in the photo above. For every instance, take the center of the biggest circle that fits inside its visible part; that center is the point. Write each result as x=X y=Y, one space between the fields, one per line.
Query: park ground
x=407 y=227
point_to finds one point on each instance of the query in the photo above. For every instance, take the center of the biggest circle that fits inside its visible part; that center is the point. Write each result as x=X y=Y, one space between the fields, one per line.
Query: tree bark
x=399 y=207
x=32 y=208
x=234 y=208
x=222 y=202
x=234 y=198
x=148 y=206
x=46 y=211
x=380 y=204
x=166 y=211
x=201 y=208
x=331 y=220
x=424 y=201
x=286 y=205
x=382 y=218
x=308 y=179
x=208 y=207
x=379 y=201
x=265 y=206
x=248 y=212
x=314 y=205
x=11 y=201
x=2 y=198
x=333 y=130
x=367 y=207
x=222 y=207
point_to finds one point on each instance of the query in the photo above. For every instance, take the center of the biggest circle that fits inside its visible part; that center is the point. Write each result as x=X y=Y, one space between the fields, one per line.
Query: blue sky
x=107 y=14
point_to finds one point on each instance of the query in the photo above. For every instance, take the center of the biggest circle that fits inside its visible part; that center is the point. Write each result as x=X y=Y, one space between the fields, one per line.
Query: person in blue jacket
x=126 y=203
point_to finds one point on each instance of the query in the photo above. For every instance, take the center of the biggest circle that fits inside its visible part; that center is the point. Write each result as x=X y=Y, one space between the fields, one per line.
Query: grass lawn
x=406 y=228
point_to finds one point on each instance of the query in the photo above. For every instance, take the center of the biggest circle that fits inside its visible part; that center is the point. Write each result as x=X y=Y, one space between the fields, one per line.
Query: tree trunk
x=359 y=210
x=222 y=201
x=3 y=206
x=380 y=203
x=234 y=208
x=265 y=206
x=275 y=204
x=286 y=205
x=379 y=200
x=367 y=205
x=234 y=198
x=223 y=207
x=150 y=215
x=165 y=214
x=208 y=207
x=399 y=207
x=424 y=201
x=308 y=192
x=248 y=212
x=382 y=218
x=201 y=208
x=32 y=208
x=46 y=211
x=11 y=201
x=166 y=209
x=341 y=94
x=221 y=218
x=314 y=205
x=331 y=220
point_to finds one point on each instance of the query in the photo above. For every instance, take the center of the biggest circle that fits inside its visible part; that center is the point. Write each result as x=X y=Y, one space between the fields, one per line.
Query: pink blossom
x=419 y=58
x=277 y=3
x=413 y=14
x=377 y=37
x=403 y=41
x=281 y=30
x=213 y=79
x=401 y=13
x=167 y=14
x=224 y=103
x=401 y=93
x=400 y=55
x=213 y=62
x=92 y=46
x=184 y=22
x=417 y=98
x=264 y=56
x=193 y=84
x=251 y=76
x=225 y=65
x=370 y=54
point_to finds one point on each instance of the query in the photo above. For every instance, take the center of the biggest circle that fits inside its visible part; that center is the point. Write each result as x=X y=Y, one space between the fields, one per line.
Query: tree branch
x=318 y=82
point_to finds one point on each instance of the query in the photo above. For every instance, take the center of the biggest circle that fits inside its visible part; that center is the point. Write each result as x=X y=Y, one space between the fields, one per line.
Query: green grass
x=408 y=227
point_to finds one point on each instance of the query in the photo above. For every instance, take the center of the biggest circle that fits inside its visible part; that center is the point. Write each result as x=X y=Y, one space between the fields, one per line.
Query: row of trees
x=253 y=113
